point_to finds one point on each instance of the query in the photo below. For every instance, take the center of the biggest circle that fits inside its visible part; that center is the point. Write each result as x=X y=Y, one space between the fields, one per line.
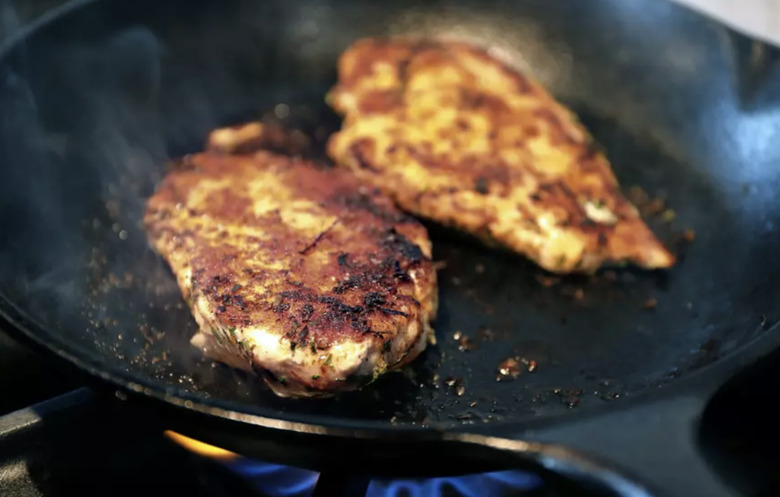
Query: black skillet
x=95 y=98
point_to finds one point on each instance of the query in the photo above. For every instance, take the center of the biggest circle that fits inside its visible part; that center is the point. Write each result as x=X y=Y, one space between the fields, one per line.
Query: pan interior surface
x=97 y=102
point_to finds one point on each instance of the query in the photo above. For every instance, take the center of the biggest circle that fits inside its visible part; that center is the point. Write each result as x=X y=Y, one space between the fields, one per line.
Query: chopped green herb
x=329 y=359
x=217 y=335
x=315 y=377
x=281 y=379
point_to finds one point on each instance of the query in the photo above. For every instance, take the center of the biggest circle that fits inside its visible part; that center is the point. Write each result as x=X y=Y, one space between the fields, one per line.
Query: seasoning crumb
x=579 y=295
x=763 y=321
x=531 y=367
x=455 y=281
x=668 y=215
x=457 y=385
x=547 y=281
x=466 y=344
x=479 y=269
x=650 y=304
x=688 y=236
x=457 y=335
x=473 y=403
x=509 y=368
x=654 y=207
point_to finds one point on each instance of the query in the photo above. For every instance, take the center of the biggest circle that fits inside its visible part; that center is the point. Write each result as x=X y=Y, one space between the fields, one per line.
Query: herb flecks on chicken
x=294 y=271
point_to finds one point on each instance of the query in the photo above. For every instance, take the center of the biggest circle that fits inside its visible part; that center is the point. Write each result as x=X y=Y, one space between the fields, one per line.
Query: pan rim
x=713 y=375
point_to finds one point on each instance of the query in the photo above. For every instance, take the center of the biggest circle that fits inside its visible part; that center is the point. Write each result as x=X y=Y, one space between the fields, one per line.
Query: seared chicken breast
x=294 y=270
x=456 y=136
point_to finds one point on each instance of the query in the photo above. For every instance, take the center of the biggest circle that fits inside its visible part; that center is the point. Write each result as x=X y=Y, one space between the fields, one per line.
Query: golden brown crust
x=456 y=136
x=264 y=241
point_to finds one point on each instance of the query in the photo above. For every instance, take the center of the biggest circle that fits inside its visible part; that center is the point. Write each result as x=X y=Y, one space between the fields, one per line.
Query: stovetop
x=57 y=439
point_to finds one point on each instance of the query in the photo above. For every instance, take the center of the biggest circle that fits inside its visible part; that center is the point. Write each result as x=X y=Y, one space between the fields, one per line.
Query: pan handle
x=648 y=450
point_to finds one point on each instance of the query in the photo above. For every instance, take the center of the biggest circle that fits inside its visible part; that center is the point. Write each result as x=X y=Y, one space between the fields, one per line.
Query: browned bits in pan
x=457 y=385
x=688 y=236
x=509 y=368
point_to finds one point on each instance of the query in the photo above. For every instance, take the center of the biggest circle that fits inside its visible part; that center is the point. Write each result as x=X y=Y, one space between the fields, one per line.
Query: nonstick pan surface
x=95 y=102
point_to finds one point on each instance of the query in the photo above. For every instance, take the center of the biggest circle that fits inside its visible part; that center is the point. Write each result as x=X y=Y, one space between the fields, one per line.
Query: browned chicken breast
x=456 y=136
x=293 y=270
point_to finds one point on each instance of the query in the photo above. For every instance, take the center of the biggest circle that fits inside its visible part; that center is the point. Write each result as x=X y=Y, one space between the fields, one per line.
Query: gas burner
x=478 y=485
x=274 y=480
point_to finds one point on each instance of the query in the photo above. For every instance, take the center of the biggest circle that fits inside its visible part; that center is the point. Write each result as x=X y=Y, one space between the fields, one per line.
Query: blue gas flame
x=478 y=485
x=275 y=480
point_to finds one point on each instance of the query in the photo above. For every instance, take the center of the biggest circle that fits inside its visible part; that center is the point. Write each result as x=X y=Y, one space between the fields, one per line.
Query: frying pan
x=96 y=98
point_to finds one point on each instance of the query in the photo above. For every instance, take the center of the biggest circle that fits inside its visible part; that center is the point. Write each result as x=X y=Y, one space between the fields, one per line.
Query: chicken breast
x=294 y=270
x=459 y=137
